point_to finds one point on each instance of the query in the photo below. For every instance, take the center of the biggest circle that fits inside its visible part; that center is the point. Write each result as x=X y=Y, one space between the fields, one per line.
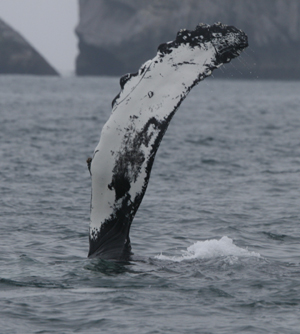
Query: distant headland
x=17 y=56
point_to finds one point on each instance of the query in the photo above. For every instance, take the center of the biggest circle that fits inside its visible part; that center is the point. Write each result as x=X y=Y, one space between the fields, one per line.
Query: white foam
x=209 y=249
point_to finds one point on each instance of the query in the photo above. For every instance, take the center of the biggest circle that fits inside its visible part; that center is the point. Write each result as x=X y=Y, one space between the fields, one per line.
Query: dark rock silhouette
x=17 y=56
x=116 y=36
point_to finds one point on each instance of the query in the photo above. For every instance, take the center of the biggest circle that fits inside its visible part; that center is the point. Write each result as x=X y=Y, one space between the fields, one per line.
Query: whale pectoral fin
x=141 y=114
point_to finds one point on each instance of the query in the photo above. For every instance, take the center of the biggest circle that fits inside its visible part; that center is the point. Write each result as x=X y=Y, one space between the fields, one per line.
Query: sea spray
x=209 y=249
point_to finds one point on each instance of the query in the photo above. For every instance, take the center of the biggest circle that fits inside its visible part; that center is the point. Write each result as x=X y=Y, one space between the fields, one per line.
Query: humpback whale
x=122 y=161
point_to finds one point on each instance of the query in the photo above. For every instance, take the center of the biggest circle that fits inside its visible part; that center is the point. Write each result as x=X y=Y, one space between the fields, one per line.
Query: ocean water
x=216 y=239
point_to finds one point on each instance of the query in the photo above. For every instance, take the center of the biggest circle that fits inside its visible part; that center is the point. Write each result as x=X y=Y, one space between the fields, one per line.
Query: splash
x=209 y=249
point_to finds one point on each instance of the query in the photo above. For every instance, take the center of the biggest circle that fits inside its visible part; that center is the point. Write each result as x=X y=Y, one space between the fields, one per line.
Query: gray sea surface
x=217 y=236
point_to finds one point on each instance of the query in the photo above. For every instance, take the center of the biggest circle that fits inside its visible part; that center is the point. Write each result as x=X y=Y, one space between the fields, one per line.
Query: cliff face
x=117 y=36
x=18 y=57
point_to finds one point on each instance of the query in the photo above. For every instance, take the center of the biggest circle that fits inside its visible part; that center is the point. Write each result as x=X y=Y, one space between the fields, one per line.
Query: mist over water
x=216 y=239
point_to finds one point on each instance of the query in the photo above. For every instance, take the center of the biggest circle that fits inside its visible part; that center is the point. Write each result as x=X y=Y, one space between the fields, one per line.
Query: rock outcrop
x=17 y=56
x=116 y=36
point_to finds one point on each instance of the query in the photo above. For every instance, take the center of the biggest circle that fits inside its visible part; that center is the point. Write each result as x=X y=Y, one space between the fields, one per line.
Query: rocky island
x=117 y=36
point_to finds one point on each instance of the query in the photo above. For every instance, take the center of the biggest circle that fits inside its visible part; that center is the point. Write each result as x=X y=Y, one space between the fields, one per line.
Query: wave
x=210 y=249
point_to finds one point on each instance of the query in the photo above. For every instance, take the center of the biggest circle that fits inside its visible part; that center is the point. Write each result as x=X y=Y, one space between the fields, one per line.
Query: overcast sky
x=49 y=27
